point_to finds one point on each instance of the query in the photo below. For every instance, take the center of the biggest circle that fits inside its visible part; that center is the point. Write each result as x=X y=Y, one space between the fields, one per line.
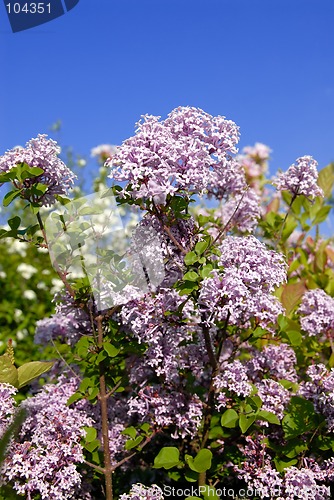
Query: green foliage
x=167 y=458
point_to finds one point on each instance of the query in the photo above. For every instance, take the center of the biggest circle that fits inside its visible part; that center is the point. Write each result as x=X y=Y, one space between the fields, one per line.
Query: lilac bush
x=41 y=153
x=218 y=374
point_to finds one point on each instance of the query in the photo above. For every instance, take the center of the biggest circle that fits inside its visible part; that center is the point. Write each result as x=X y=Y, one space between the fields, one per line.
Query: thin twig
x=96 y=467
x=104 y=418
x=140 y=447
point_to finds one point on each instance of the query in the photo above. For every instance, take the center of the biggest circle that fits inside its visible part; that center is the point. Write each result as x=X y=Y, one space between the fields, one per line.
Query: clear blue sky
x=266 y=64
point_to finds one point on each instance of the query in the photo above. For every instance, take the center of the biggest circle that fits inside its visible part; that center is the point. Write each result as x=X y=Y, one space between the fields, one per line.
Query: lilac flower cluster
x=232 y=379
x=140 y=492
x=300 y=178
x=173 y=241
x=301 y=483
x=259 y=474
x=241 y=290
x=274 y=397
x=171 y=343
x=43 y=459
x=317 y=308
x=278 y=361
x=241 y=211
x=187 y=152
x=68 y=324
x=320 y=390
x=168 y=408
x=257 y=470
x=42 y=153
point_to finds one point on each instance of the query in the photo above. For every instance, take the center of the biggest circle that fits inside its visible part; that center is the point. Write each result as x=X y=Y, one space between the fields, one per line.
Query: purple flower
x=241 y=211
x=277 y=360
x=68 y=324
x=172 y=240
x=233 y=378
x=42 y=153
x=274 y=397
x=42 y=460
x=242 y=289
x=301 y=483
x=320 y=390
x=300 y=178
x=317 y=309
x=189 y=152
x=171 y=344
x=168 y=408
x=257 y=470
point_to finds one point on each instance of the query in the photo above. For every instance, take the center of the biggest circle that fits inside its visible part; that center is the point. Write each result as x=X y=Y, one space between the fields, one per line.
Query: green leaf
x=295 y=337
x=191 y=476
x=130 y=431
x=324 y=443
x=294 y=447
x=206 y=270
x=145 y=427
x=255 y=402
x=290 y=330
x=93 y=445
x=191 y=276
x=75 y=397
x=8 y=372
x=268 y=416
x=246 y=421
x=289 y=226
x=35 y=208
x=91 y=434
x=92 y=393
x=259 y=333
x=187 y=287
x=9 y=197
x=8 y=176
x=111 y=349
x=39 y=189
x=284 y=464
x=202 y=461
x=326 y=179
x=132 y=443
x=33 y=171
x=167 y=458
x=14 y=223
x=85 y=383
x=322 y=214
x=300 y=418
x=30 y=371
x=229 y=418
x=101 y=357
x=11 y=430
x=201 y=246
x=190 y=258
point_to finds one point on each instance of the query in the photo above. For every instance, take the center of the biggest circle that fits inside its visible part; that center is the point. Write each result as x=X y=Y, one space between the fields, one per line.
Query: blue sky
x=267 y=65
